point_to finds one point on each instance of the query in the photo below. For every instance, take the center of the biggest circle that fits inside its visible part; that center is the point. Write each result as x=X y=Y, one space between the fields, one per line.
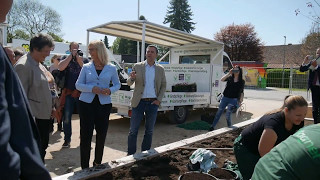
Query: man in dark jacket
x=313 y=82
x=19 y=138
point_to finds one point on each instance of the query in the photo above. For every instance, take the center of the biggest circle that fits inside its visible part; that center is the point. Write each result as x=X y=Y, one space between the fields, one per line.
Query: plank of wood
x=195 y=148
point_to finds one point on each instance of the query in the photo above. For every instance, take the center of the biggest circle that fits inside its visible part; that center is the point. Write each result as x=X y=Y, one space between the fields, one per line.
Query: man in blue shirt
x=150 y=85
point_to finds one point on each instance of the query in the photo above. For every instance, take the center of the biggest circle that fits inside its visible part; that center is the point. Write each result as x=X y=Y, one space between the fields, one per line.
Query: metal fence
x=275 y=83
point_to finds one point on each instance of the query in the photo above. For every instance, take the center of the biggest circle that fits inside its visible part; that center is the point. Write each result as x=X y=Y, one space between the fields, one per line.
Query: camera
x=235 y=70
x=79 y=52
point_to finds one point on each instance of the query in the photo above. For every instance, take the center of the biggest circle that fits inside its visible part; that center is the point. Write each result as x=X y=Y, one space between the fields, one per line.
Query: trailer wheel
x=178 y=115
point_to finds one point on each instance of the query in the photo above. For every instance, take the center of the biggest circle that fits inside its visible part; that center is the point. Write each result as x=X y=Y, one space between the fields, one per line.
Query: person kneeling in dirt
x=271 y=129
x=298 y=157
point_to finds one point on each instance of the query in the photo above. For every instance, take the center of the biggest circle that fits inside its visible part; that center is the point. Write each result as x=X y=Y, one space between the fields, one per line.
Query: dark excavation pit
x=196 y=175
x=223 y=174
x=172 y=164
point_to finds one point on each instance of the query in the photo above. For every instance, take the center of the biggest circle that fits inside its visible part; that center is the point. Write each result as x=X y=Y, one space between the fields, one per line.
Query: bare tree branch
x=32 y=17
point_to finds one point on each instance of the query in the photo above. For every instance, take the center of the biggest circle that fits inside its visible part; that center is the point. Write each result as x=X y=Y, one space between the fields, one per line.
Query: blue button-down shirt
x=149 y=90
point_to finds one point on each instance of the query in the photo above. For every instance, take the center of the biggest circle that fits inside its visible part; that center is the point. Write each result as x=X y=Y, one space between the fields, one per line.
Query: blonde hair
x=291 y=102
x=54 y=57
x=101 y=51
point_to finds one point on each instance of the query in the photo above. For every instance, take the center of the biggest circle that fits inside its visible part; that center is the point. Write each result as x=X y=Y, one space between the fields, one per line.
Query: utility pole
x=3 y=33
x=138 y=48
x=284 y=60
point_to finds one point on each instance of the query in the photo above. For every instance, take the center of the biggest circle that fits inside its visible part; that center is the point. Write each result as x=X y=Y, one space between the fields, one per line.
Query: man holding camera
x=313 y=82
x=70 y=95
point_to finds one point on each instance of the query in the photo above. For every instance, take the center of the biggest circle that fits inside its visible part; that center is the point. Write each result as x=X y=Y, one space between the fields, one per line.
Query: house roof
x=275 y=55
x=154 y=33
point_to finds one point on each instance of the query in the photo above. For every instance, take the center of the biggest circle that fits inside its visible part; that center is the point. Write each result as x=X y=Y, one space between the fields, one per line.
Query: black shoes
x=99 y=166
x=66 y=144
x=60 y=127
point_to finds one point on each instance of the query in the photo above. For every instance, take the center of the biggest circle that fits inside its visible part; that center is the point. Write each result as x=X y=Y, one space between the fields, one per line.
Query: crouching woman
x=271 y=129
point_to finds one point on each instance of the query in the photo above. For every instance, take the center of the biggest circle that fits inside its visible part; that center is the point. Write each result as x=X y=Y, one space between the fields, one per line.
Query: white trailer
x=192 y=60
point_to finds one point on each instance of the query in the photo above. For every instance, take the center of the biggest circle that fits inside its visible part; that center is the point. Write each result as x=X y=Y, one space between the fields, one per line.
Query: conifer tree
x=179 y=16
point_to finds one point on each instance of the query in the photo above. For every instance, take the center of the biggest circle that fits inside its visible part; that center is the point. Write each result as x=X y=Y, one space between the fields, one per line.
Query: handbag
x=59 y=77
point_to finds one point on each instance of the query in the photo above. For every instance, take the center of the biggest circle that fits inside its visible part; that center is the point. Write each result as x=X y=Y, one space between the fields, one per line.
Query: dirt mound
x=172 y=164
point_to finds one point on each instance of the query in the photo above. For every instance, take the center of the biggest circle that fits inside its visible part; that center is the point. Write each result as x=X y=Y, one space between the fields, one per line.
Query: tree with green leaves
x=19 y=34
x=31 y=17
x=106 y=42
x=124 y=46
x=310 y=43
x=55 y=37
x=179 y=16
x=241 y=42
x=142 y=17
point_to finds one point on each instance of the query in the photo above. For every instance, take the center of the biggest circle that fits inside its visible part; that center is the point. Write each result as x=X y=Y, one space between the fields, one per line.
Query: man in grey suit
x=35 y=80
x=150 y=85
x=19 y=137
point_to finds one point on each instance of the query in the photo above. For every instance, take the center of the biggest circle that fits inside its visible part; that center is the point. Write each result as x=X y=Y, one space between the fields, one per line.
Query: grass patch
x=196 y=125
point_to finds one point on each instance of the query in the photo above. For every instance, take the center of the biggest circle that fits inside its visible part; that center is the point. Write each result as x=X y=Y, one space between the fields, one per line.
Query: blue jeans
x=150 y=111
x=225 y=101
x=67 y=115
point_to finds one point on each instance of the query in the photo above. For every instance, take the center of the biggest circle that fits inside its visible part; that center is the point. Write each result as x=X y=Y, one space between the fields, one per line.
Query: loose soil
x=193 y=176
x=172 y=164
x=222 y=173
x=60 y=161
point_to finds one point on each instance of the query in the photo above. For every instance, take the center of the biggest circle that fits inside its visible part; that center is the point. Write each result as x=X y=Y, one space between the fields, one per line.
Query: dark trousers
x=93 y=116
x=315 y=93
x=246 y=160
x=44 y=130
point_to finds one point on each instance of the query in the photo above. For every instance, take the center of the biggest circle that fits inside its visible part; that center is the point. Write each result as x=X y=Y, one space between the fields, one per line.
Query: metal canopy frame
x=151 y=33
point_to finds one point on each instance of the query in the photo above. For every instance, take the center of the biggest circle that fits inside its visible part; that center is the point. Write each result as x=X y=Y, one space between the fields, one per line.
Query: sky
x=272 y=19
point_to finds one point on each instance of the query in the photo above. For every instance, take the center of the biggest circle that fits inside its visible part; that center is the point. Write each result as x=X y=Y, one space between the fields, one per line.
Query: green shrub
x=274 y=78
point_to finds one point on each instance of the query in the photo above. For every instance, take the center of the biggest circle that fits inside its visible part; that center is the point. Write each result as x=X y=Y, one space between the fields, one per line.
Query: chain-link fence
x=275 y=83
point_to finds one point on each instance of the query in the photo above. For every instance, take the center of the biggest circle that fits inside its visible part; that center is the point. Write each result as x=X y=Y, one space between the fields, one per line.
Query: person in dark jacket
x=313 y=83
x=19 y=137
x=271 y=129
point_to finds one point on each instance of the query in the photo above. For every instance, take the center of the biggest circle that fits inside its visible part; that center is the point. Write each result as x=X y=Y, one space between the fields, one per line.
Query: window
x=194 y=59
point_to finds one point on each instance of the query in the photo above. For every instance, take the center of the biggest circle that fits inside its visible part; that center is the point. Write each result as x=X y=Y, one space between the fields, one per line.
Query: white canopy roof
x=154 y=33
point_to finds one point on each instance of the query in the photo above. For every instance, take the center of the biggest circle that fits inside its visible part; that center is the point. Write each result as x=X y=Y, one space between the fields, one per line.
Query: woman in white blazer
x=95 y=101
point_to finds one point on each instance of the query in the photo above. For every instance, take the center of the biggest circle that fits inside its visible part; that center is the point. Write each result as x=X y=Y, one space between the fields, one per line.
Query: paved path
x=277 y=94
